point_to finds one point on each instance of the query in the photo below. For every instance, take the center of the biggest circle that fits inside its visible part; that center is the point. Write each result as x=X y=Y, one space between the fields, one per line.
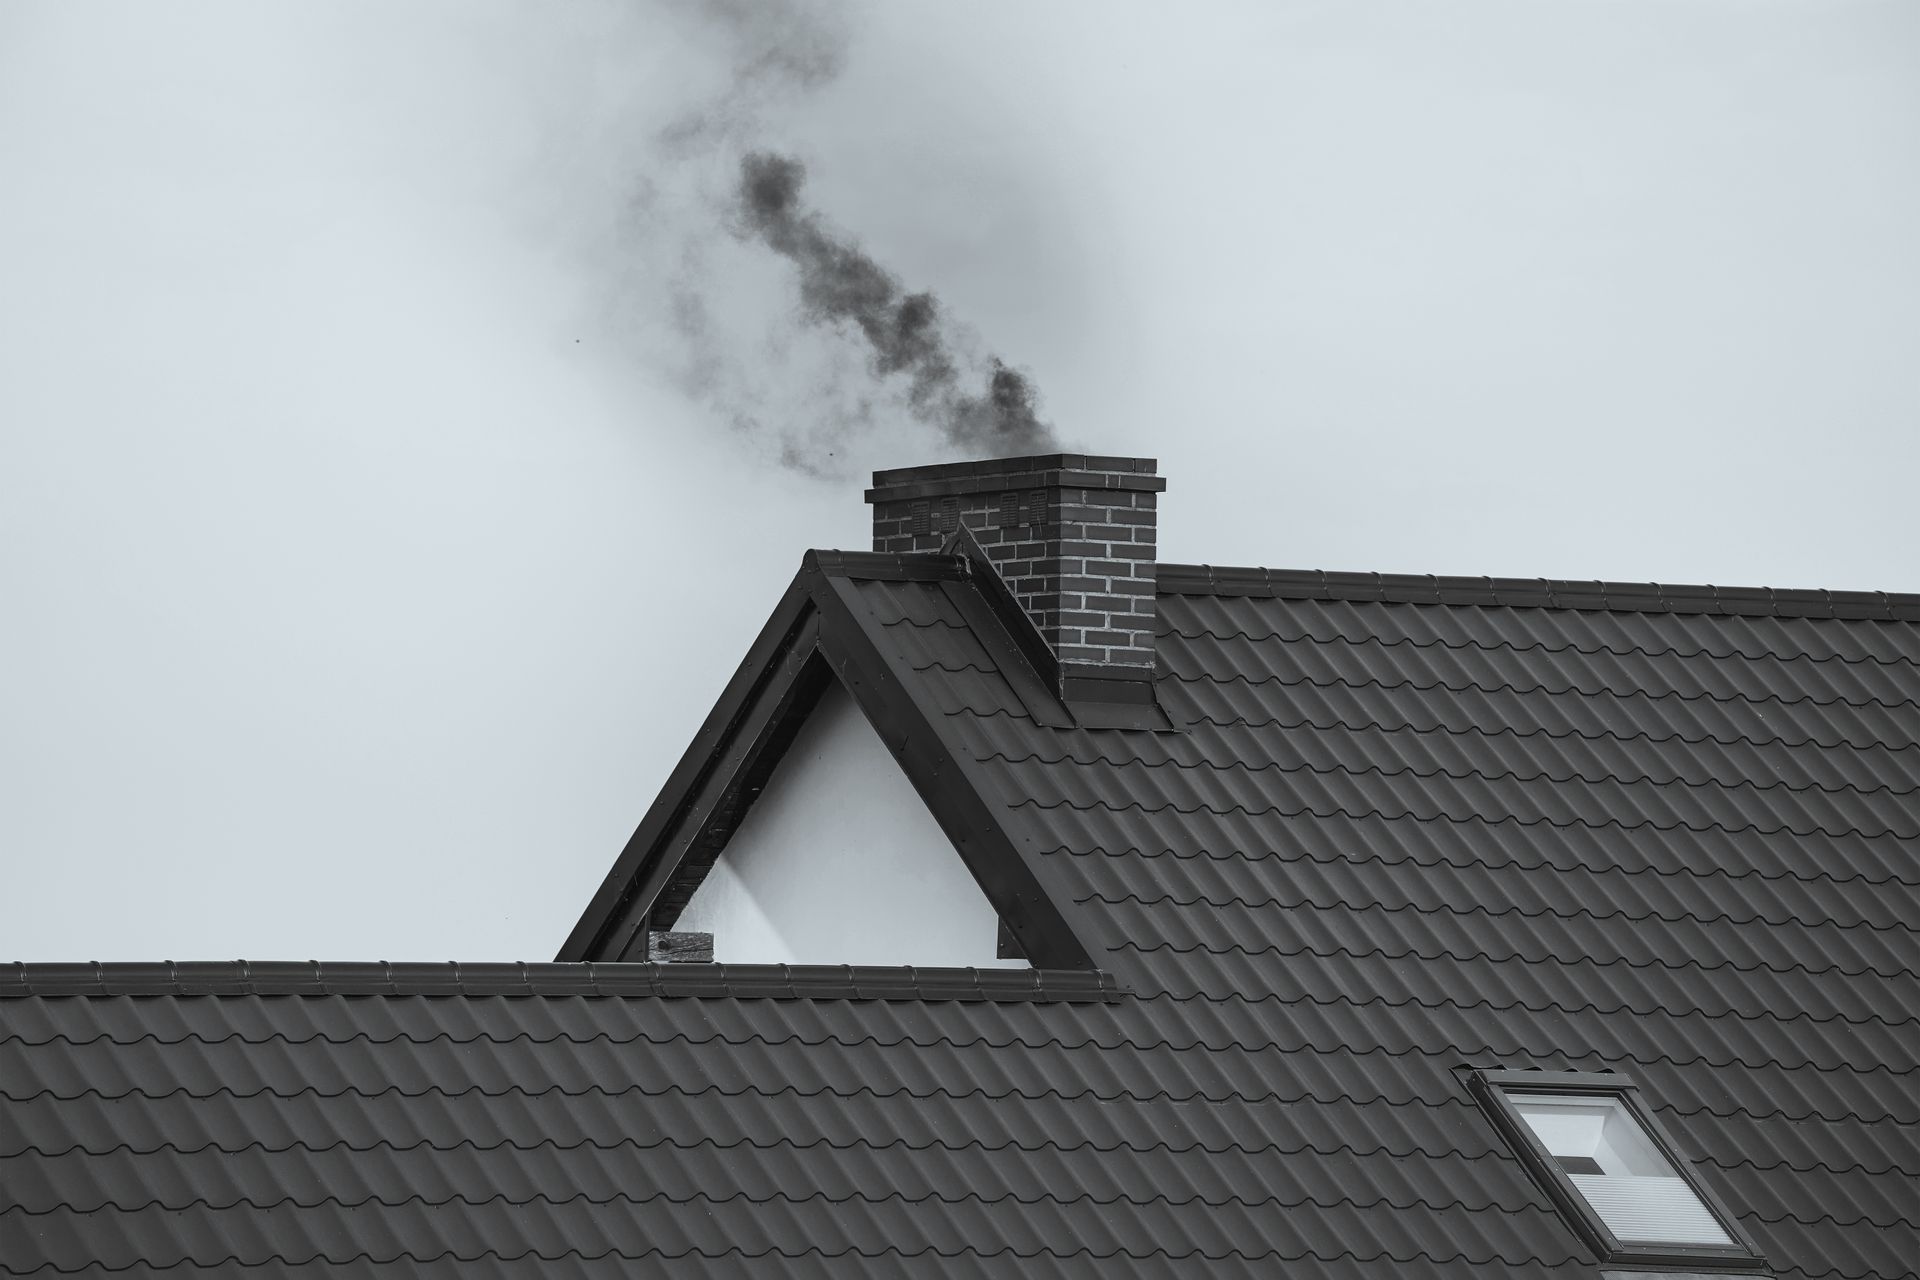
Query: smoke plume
x=842 y=286
x=862 y=361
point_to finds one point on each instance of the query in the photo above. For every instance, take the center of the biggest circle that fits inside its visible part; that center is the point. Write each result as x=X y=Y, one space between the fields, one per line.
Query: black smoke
x=906 y=333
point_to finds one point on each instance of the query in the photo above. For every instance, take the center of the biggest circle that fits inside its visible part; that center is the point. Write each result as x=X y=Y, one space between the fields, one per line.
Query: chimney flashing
x=1106 y=682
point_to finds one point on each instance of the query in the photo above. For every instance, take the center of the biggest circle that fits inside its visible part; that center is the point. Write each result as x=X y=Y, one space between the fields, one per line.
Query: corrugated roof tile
x=1401 y=830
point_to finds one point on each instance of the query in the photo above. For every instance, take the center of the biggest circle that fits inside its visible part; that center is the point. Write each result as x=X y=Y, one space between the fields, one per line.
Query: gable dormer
x=821 y=816
x=838 y=674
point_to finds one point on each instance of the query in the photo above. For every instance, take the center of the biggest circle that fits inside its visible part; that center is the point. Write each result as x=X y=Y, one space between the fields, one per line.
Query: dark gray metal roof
x=1387 y=840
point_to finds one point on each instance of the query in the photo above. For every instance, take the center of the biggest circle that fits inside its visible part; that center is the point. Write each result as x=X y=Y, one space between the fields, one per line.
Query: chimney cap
x=1032 y=471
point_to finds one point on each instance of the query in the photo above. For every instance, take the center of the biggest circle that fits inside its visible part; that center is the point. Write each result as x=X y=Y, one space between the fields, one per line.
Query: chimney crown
x=1072 y=535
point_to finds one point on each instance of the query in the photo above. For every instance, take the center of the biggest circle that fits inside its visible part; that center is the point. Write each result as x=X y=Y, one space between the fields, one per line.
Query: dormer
x=821 y=817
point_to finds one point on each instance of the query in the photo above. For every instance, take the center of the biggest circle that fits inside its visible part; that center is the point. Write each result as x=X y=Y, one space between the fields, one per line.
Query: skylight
x=1610 y=1168
x=1610 y=1160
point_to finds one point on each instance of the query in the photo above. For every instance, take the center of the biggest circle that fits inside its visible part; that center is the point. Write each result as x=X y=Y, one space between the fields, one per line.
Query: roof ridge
x=1538 y=593
x=887 y=566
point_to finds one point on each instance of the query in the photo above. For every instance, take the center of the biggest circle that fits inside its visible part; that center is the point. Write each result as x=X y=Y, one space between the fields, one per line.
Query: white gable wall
x=839 y=862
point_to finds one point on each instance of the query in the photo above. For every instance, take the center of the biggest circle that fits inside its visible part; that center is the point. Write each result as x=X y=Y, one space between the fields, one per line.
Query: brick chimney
x=1072 y=536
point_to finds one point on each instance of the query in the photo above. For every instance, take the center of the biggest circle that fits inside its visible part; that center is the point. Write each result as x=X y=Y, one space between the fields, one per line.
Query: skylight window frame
x=1491 y=1088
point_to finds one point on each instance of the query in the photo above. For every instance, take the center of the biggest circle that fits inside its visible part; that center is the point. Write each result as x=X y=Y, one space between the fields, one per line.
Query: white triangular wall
x=839 y=862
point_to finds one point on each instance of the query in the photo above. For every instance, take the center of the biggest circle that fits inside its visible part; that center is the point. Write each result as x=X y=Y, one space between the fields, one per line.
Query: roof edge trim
x=20 y=980
x=889 y=566
x=607 y=923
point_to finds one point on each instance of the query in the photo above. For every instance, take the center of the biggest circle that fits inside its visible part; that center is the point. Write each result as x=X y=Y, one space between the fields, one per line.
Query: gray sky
x=373 y=537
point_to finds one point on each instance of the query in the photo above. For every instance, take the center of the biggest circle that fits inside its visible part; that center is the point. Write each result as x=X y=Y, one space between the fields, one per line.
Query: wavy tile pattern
x=1395 y=838
x=1387 y=841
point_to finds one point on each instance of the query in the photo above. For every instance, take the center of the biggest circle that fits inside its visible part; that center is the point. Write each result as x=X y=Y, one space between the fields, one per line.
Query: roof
x=1401 y=827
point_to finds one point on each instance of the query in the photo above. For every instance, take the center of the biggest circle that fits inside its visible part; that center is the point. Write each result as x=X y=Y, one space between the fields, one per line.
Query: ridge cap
x=1538 y=593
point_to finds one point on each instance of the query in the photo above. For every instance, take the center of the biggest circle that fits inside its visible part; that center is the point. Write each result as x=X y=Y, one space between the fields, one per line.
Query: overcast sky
x=392 y=419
